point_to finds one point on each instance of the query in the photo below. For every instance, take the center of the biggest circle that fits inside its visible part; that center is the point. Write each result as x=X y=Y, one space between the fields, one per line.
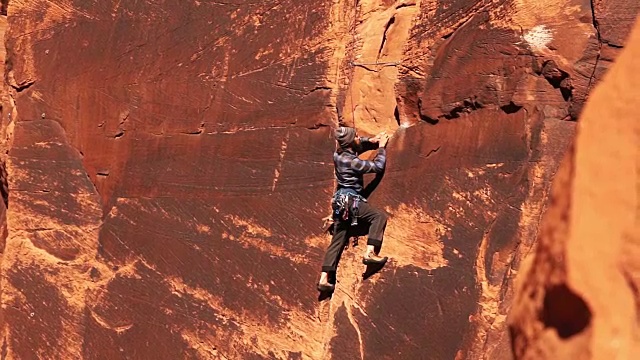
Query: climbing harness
x=345 y=205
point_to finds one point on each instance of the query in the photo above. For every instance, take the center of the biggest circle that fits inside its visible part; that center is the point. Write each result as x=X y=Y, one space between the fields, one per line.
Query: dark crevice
x=595 y=20
x=567 y=92
x=317 y=88
x=467 y=106
x=596 y=26
x=125 y=118
x=405 y=5
x=95 y=186
x=396 y=114
x=592 y=77
x=565 y=311
x=616 y=46
x=384 y=35
x=199 y=131
x=429 y=120
x=558 y=78
x=593 y=73
x=511 y=108
x=413 y=69
x=4 y=184
x=121 y=130
x=37 y=229
x=553 y=73
x=23 y=87
x=446 y=36
x=431 y=152
x=317 y=126
x=3 y=11
x=424 y=117
x=365 y=67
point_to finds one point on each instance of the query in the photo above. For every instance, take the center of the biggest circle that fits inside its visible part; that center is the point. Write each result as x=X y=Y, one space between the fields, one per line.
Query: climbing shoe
x=326 y=287
x=372 y=259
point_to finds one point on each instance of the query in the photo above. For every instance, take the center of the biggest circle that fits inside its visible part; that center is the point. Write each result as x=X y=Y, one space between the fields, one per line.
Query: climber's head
x=346 y=137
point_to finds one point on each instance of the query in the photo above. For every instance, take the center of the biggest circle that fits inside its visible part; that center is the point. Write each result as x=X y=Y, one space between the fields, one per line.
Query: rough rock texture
x=578 y=297
x=169 y=164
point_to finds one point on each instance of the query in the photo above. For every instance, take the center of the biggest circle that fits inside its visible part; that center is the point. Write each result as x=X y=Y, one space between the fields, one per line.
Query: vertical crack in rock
x=4 y=184
x=347 y=291
x=596 y=26
x=594 y=19
x=487 y=303
x=362 y=34
x=592 y=77
x=382 y=34
x=283 y=151
x=356 y=327
x=415 y=240
x=341 y=33
x=7 y=110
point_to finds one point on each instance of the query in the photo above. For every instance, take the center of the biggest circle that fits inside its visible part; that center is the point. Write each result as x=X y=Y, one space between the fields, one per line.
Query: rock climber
x=349 y=205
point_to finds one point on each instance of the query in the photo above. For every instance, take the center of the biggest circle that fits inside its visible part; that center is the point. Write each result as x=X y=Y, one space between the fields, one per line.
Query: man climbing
x=349 y=205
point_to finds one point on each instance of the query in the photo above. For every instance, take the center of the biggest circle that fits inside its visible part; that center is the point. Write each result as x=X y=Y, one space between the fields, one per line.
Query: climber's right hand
x=382 y=141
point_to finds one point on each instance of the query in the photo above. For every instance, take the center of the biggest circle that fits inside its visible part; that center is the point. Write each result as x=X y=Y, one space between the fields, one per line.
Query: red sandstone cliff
x=168 y=166
x=578 y=297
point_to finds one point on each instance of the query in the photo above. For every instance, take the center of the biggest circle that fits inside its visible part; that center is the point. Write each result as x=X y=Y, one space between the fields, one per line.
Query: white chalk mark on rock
x=538 y=37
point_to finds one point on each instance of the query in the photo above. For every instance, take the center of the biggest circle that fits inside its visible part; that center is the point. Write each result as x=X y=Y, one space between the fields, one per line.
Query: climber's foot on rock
x=326 y=287
x=372 y=259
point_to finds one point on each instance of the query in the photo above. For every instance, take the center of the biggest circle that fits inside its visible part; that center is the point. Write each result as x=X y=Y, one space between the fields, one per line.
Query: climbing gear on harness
x=345 y=205
x=355 y=211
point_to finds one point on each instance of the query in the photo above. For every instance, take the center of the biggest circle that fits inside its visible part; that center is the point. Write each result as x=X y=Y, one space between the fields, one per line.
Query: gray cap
x=345 y=136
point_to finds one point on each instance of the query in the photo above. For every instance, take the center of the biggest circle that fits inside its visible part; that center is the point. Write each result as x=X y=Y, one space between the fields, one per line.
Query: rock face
x=578 y=296
x=168 y=167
